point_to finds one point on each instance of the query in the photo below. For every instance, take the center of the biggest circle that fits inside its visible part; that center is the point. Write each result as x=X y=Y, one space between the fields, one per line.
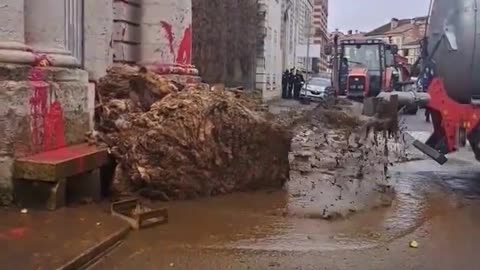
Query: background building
x=405 y=33
x=269 y=52
x=321 y=36
x=296 y=32
x=304 y=35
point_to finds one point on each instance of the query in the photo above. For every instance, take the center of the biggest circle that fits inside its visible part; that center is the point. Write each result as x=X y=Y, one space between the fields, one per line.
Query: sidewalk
x=278 y=106
x=63 y=239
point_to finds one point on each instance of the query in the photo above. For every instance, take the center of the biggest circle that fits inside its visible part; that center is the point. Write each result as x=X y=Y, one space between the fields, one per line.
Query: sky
x=366 y=15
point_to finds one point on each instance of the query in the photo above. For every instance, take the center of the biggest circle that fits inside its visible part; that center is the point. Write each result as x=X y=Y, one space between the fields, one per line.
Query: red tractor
x=365 y=67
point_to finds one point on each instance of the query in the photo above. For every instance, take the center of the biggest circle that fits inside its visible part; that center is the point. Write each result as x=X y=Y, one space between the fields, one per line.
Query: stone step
x=48 y=178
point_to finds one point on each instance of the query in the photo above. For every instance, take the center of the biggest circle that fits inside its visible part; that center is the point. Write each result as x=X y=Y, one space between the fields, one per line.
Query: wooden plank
x=155 y=213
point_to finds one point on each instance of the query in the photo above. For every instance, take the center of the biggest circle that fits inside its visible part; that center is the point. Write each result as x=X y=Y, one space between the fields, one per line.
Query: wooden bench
x=42 y=179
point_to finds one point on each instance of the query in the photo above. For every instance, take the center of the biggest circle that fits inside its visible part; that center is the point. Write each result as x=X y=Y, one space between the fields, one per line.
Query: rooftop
x=413 y=43
x=402 y=26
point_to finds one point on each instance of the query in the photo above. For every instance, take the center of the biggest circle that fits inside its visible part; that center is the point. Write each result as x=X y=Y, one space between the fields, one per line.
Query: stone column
x=45 y=30
x=166 y=31
x=12 y=37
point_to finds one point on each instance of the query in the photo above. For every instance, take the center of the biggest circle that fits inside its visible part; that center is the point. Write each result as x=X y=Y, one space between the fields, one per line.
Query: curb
x=94 y=253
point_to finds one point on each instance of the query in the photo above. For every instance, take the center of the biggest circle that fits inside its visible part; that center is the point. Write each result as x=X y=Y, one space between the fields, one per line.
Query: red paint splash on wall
x=168 y=31
x=47 y=124
x=54 y=132
x=38 y=110
x=183 y=55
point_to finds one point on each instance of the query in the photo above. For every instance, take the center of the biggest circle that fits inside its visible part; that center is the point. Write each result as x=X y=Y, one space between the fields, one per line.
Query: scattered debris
x=274 y=264
x=413 y=244
x=138 y=215
x=345 y=166
x=182 y=141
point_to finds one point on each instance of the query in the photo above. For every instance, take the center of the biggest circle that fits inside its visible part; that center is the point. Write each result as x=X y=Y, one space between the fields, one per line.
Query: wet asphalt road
x=435 y=205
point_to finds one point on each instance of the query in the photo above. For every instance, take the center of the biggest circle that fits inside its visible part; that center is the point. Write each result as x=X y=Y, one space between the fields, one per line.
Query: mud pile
x=337 y=166
x=174 y=141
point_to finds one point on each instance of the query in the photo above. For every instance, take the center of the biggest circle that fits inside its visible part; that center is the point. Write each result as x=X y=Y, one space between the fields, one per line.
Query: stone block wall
x=98 y=34
x=126 y=31
x=112 y=34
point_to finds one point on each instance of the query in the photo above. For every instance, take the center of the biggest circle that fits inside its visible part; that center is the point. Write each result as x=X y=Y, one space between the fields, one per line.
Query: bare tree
x=225 y=40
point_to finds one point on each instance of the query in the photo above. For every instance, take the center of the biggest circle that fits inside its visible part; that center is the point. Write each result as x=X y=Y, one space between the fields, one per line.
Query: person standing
x=298 y=82
x=291 y=83
x=427 y=115
x=285 y=83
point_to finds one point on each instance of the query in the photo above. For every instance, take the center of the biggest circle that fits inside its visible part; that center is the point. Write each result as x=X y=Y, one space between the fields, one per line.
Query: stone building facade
x=296 y=30
x=304 y=22
x=53 y=51
x=321 y=35
x=269 y=63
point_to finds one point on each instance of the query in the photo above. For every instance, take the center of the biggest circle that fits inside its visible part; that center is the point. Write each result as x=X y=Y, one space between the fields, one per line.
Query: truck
x=449 y=80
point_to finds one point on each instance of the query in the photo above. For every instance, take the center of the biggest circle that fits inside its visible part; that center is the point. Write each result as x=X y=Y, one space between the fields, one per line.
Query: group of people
x=292 y=84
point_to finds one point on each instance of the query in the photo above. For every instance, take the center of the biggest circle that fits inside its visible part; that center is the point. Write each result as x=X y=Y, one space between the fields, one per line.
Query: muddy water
x=258 y=221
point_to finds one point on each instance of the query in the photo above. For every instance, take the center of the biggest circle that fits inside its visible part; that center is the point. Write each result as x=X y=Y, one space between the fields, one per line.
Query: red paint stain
x=70 y=152
x=168 y=31
x=80 y=165
x=38 y=110
x=80 y=154
x=54 y=127
x=15 y=233
x=183 y=55
x=47 y=125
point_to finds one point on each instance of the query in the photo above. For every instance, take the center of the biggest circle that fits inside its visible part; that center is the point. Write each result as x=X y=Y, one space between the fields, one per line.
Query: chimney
x=350 y=32
x=393 y=23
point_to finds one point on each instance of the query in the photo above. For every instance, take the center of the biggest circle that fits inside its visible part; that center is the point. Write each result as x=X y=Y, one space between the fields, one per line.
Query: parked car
x=316 y=89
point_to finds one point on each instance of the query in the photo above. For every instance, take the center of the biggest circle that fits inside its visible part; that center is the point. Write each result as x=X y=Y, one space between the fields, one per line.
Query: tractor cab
x=397 y=71
x=362 y=64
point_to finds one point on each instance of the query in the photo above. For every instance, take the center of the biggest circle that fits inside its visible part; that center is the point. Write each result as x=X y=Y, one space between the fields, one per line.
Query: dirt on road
x=182 y=141
x=337 y=166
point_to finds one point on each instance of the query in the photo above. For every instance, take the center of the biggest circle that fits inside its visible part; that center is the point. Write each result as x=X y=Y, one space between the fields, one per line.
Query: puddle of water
x=258 y=221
